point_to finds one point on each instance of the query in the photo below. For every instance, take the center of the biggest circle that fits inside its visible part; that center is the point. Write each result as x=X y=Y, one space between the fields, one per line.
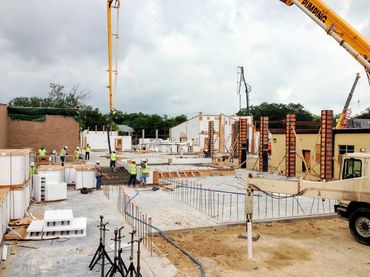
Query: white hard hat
x=98 y=162
x=65 y=146
x=78 y=148
x=144 y=160
x=32 y=164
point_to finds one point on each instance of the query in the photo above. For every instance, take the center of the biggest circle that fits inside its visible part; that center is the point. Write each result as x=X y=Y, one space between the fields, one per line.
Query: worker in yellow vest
x=33 y=169
x=87 y=152
x=63 y=154
x=133 y=172
x=144 y=172
x=113 y=159
x=41 y=152
x=77 y=154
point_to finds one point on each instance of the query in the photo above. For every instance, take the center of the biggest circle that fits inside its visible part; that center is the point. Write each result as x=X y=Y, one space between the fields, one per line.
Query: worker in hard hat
x=133 y=172
x=144 y=171
x=87 y=152
x=113 y=159
x=63 y=154
x=32 y=168
x=77 y=153
x=41 y=152
x=98 y=175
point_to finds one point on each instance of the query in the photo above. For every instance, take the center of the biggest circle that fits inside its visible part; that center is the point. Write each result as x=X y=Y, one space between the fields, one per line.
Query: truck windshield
x=352 y=168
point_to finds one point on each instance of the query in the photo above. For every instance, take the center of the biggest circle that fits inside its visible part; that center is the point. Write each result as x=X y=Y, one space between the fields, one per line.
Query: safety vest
x=87 y=149
x=145 y=170
x=62 y=153
x=33 y=170
x=42 y=152
x=77 y=154
x=113 y=157
x=133 y=169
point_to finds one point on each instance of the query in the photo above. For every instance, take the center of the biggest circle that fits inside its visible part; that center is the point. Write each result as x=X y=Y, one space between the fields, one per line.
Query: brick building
x=50 y=130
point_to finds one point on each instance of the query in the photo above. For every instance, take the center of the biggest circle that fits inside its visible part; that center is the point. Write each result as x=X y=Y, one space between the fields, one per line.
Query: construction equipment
x=335 y=26
x=352 y=191
x=110 y=6
x=247 y=88
x=342 y=121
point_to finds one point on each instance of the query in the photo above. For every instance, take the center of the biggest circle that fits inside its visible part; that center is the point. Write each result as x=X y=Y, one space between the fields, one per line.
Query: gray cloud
x=180 y=56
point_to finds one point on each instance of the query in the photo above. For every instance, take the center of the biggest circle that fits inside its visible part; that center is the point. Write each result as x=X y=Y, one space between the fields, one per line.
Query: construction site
x=217 y=195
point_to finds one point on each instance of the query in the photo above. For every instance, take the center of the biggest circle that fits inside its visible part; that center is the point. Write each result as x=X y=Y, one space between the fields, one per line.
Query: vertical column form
x=326 y=145
x=211 y=142
x=242 y=147
x=290 y=146
x=263 y=144
x=234 y=139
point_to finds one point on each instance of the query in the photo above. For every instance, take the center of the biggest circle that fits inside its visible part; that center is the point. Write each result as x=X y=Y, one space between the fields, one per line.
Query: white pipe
x=249 y=240
x=332 y=33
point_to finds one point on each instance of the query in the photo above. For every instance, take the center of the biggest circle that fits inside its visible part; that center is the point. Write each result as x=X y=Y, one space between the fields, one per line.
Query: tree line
x=91 y=118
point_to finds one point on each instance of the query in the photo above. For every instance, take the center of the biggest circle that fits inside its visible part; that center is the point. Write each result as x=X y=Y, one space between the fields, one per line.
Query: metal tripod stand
x=131 y=268
x=101 y=253
x=115 y=268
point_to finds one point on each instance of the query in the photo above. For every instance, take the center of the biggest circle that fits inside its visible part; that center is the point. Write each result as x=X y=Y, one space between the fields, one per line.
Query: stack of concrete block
x=15 y=182
x=48 y=187
x=56 y=171
x=57 y=224
x=85 y=177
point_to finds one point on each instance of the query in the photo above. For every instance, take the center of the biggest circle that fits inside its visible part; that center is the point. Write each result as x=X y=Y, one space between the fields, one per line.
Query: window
x=343 y=149
x=352 y=168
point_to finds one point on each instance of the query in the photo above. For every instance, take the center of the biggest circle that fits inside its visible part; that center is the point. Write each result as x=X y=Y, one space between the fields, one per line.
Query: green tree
x=57 y=97
x=278 y=112
x=364 y=115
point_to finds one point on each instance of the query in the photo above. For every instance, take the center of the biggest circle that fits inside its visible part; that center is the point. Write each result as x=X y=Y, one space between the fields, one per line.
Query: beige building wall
x=353 y=139
x=306 y=143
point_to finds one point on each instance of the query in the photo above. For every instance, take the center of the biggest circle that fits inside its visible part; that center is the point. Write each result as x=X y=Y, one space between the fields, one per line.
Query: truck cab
x=356 y=165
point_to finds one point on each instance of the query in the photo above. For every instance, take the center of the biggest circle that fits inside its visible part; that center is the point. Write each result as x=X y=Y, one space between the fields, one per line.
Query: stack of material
x=20 y=227
x=57 y=224
x=85 y=177
x=15 y=183
x=49 y=184
x=69 y=174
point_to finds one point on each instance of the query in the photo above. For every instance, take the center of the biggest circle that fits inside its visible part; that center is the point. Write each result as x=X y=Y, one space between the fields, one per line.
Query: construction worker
x=98 y=175
x=32 y=169
x=132 y=174
x=77 y=154
x=87 y=152
x=113 y=159
x=41 y=152
x=144 y=172
x=63 y=154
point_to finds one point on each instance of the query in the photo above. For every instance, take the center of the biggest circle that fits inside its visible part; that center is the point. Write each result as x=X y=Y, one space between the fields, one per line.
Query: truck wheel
x=359 y=225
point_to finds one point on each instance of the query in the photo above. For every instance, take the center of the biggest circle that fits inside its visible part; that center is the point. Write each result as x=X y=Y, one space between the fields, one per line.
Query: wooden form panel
x=242 y=141
x=290 y=146
x=211 y=142
x=263 y=144
x=326 y=146
x=234 y=139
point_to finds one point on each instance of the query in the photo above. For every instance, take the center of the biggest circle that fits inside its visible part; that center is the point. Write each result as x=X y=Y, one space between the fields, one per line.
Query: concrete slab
x=71 y=257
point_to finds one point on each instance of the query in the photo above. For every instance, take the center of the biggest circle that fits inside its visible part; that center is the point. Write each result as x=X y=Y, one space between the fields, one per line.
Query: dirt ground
x=315 y=247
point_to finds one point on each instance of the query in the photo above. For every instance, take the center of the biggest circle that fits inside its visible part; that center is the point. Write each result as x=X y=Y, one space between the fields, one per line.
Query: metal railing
x=229 y=206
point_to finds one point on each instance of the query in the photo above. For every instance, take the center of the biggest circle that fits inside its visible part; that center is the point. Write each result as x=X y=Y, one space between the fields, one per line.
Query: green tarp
x=39 y=114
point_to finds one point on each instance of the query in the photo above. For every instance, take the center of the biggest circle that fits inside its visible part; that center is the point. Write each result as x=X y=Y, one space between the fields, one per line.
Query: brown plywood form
x=211 y=142
x=263 y=142
x=234 y=138
x=242 y=139
x=326 y=145
x=290 y=146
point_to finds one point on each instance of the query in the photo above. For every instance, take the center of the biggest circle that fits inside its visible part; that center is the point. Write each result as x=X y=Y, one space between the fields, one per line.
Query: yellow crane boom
x=335 y=26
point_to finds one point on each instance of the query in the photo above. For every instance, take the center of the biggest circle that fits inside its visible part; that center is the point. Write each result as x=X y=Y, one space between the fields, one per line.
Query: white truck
x=352 y=192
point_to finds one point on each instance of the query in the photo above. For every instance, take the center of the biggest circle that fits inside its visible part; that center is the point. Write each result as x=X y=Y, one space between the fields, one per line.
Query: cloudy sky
x=181 y=56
